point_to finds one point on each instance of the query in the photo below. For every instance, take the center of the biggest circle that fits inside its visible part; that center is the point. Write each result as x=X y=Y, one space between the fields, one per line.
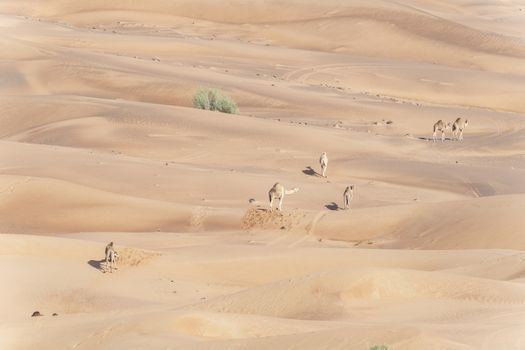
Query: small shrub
x=226 y=105
x=213 y=100
x=379 y=347
x=201 y=99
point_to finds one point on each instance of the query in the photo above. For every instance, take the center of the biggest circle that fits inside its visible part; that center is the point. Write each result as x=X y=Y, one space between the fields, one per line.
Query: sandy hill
x=99 y=142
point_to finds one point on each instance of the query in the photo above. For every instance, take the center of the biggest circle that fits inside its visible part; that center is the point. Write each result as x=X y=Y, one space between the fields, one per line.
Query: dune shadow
x=97 y=264
x=332 y=206
x=482 y=189
x=310 y=171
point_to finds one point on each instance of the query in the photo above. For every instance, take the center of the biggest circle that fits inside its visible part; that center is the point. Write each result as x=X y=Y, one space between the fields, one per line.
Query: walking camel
x=458 y=127
x=347 y=196
x=440 y=126
x=277 y=192
x=111 y=257
x=324 y=163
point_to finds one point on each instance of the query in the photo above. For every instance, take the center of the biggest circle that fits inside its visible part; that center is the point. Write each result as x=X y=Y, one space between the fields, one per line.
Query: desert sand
x=99 y=142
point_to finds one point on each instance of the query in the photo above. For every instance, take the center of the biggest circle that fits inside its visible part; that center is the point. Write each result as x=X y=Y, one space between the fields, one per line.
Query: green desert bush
x=213 y=100
x=379 y=347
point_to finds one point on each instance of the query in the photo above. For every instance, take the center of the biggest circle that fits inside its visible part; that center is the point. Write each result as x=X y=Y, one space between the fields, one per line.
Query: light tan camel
x=111 y=258
x=347 y=196
x=277 y=192
x=440 y=126
x=458 y=127
x=324 y=163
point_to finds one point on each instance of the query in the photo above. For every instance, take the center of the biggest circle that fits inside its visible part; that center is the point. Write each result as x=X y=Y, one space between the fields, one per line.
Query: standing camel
x=458 y=127
x=324 y=163
x=111 y=257
x=277 y=192
x=347 y=196
x=440 y=126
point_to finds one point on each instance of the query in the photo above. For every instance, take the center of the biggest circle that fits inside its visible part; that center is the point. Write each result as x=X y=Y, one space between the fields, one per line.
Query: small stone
x=36 y=314
x=55 y=314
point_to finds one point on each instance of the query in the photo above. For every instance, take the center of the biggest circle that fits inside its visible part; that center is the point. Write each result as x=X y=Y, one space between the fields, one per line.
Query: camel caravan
x=457 y=129
x=278 y=191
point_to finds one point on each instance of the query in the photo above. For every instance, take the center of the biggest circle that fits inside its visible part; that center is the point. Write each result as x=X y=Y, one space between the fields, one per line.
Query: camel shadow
x=332 y=206
x=437 y=140
x=97 y=264
x=310 y=171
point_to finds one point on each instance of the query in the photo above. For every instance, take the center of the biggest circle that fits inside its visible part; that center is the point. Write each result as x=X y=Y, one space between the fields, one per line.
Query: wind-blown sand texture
x=99 y=143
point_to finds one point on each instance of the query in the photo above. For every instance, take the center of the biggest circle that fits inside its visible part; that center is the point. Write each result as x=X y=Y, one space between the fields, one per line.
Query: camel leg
x=271 y=203
x=281 y=202
x=442 y=136
x=460 y=135
x=434 y=136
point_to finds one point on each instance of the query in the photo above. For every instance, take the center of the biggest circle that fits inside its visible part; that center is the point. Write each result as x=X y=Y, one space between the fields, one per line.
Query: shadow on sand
x=310 y=172
x=97 y=264
x=437 y=140
x=332 y=206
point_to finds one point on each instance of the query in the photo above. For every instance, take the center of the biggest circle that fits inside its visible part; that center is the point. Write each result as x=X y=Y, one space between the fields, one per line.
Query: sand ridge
x=99 y=142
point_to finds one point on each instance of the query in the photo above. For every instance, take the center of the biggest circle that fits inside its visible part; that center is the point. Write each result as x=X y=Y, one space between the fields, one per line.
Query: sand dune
x=316 y=301
x=490 y=222
x=99 y=142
